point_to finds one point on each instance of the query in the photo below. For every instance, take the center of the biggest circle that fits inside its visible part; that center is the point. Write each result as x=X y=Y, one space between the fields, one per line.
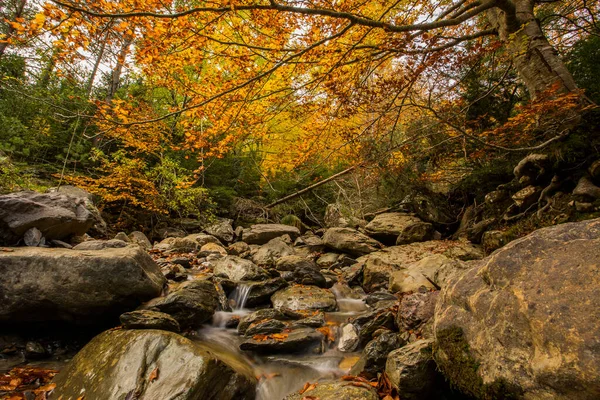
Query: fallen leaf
x=153 y=375
x=307 y=387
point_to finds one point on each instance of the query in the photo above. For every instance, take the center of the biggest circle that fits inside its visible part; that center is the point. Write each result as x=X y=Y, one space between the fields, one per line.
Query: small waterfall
x=239 y=297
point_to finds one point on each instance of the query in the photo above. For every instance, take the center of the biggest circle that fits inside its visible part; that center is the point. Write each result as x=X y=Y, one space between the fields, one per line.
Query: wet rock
x=387 y=227
x=354 y=274
x=222 y=230
x=306 y=275
x=367 y=324
x=300 y=297
x=349 y=339
x=265 y=327
x=416 y=309
x=336 y=390
x=152 y=364
x=240 y=249
x=298 y=340
x=374 y=355
x=260 y=292
x=269 y=253
x=412 y=371
x=313 y=321
x=184 y=261
x=192 y=304
x=174 y=272
x=35 y=351
x=40 y=284
x=147 y=319
x=265 y=314
x=140 y=239
x=525 y=321
x=350 y=241
x=376 y=297
x=263 y=233
x=417 y=232
x=56 y=215
x=239 y=269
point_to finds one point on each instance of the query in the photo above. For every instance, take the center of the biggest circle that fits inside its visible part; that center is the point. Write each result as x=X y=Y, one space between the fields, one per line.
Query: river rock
x=260 y=292
x=262 y=233
x=348 y=338
x=212 y=248
x=298 y=340
x=416 y=309
x=374 y=355
x=327 y=260
x=240 y=249
x=292 y=262
x=493 y=240
x=378 y=266
x=417 y=232
x=409 y=280
x=335 y=390
x=152 y=364
x=140 y=239
x=101 y=244
x=178 y=245
x=192 y=304
x=412 y=371
x=350 y=241
x=311 y=242
x=222 y=230
x=265 y=327
x=265 y=314
x=387 y=227
x=41 y=284
x=239 y=269
x=147 y=319
x=525 y=321
x=56 y=215
x=99 y=227
x=269 y=253
x=367 y=324
x=299 y=297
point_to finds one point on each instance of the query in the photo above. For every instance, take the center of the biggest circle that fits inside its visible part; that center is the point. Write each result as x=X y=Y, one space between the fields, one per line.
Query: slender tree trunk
x=90 y=84
x=535 y=59
x=116 y=74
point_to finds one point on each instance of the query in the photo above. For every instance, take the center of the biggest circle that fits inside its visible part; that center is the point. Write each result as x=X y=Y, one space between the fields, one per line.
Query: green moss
x=292 y=220
x=453 y=356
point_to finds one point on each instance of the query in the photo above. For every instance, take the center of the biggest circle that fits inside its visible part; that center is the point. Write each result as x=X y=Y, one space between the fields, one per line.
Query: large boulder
x=273 y=250
x=41 y=284
x=99 y=227
x=152 y=364
x=192 y=304
x=350 y=241
x=57 y=216
x=299 y=297
x=379 y=266
x=262 y=233
x=239 y=269
x=525 y=321
x=387 y=227
x=221 y=230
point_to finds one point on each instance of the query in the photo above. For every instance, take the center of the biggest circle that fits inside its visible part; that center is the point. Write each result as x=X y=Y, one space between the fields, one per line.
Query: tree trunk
x=19 y=8
x=536 y=61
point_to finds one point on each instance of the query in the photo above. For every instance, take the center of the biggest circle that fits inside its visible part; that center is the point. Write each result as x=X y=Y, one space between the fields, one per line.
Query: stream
x=282 y=374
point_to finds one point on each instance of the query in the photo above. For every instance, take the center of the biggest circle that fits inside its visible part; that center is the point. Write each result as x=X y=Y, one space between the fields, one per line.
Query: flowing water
x=280 y=375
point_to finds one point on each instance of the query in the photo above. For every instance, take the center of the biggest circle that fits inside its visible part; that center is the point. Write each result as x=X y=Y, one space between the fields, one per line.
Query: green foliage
x=292 y=220
x=584 y=63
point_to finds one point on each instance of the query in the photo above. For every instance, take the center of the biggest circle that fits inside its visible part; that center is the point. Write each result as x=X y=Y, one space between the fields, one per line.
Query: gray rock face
x=222 y=230
x=348 y=338
x=147 y=319
x=335 y=390
x=262 y=233
x=140 y=239
x=299 y=297
x=417 y=232
x=350 y=241
x=412 y=371
x=416 y=309
x=56 y=215
x=387 y=227
x=152 y=364
x=40 y=284
x=525 y=321
x=260 y=292
x=273 y=250
x=239 y=269
x=191 y=305
x=374 y=355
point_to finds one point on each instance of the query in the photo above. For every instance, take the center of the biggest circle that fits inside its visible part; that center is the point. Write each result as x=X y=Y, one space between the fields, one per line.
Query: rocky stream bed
x=269 y=312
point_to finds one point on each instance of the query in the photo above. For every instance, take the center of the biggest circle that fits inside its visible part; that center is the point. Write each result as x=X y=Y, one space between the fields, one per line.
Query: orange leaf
x=153 y=375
